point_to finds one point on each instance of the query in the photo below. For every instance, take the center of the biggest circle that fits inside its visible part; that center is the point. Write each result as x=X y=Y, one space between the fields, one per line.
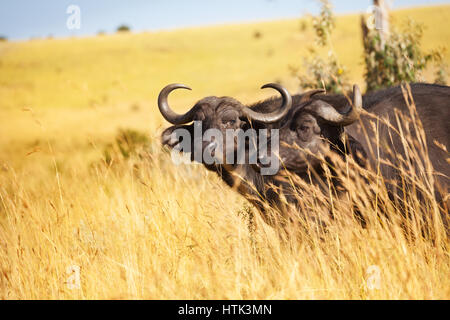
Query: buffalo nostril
x=169 y=139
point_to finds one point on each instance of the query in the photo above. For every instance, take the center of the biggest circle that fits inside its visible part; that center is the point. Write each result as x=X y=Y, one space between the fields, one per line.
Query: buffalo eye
x=304 y=132
x=304 y=128
x=229 y=123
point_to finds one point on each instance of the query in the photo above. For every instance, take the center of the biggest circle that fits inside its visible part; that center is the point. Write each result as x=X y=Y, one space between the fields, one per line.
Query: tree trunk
x=382 y=19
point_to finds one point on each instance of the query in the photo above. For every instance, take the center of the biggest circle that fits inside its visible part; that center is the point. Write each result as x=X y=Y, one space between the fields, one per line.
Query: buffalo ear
x=309 y=94
x=199 y=115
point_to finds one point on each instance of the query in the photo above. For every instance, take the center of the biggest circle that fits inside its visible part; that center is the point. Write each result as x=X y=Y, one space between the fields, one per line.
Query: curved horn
x=273 y=116
x=330 y=114
x=307 y=95
x=165 y=109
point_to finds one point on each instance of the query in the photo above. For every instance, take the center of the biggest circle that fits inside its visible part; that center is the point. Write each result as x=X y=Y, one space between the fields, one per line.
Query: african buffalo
x=318 y=125
x=224 y=113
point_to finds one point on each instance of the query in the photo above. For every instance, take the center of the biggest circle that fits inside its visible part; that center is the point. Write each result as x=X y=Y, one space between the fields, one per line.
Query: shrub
x=401 y=59
x=123 y=28
x=128 y=143
x=324 y=24
x=257 y=34
x=441 y=67
x=325 y=73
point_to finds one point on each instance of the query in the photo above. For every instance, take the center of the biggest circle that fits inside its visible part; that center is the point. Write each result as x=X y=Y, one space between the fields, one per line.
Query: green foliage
x=324 y=24
x=3 y=38
x=323 y=73
x=441 y=76
x=320 y=72
x=441 y=67
x=401 y=59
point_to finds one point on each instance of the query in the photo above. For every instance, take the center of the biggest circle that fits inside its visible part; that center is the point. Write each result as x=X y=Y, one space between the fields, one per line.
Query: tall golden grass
x=137 y=226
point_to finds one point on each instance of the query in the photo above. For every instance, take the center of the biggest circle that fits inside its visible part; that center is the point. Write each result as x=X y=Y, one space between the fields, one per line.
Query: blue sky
x=22 y=19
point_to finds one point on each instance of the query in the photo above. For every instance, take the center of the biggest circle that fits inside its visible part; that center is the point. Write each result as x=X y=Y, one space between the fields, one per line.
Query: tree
x=123 y=28
x=393 y=56
x=382 y=20
x=327 y=73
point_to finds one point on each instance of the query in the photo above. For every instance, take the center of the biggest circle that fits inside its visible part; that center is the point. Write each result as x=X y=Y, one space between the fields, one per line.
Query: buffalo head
x=315 y=127
x=217 y=113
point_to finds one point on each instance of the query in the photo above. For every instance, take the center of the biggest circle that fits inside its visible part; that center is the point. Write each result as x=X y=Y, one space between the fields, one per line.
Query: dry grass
x=140 y=227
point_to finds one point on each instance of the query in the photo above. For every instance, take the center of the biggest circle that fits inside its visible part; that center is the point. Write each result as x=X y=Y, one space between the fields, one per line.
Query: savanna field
x=87 y=190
